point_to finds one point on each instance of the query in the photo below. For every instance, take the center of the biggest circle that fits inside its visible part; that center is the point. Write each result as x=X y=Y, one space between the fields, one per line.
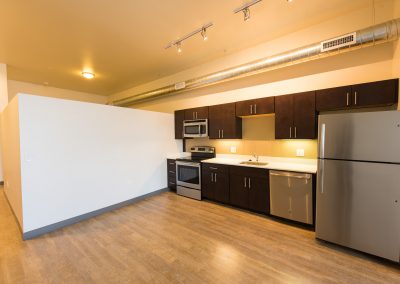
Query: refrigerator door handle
x=321 y=176
x=322 y=141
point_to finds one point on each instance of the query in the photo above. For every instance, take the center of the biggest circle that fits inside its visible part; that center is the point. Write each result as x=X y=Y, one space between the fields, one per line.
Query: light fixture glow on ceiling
x=246 y=9
x=179 y=47
x=87 y=75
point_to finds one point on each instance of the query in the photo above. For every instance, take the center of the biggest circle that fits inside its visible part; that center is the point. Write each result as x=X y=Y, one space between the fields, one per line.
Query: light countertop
x=274 y=163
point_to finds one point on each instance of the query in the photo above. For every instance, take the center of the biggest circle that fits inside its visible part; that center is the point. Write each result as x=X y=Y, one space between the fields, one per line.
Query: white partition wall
x=79 y=157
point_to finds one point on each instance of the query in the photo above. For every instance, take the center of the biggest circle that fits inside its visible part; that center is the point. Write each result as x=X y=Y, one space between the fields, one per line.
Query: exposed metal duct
x=381 y=33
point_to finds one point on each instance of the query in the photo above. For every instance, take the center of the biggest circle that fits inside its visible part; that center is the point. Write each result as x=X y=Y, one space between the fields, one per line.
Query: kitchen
x=248 y=141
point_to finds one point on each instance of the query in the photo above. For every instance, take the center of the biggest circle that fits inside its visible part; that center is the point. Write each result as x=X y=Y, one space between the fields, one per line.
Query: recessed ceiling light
x=87 y=75
x=289 y=1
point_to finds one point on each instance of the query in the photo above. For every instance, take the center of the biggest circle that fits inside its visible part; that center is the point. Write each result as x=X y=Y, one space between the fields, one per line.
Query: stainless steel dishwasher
x=291 y=196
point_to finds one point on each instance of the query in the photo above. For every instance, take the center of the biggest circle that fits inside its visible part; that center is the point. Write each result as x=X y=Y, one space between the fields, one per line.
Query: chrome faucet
x=256 y=157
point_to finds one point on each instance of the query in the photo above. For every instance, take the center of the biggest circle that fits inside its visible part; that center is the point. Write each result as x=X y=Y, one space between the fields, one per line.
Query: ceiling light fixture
x=87 y=75
x=246 y=9
x=178 y=42
x=204 y=34
x=178 y=46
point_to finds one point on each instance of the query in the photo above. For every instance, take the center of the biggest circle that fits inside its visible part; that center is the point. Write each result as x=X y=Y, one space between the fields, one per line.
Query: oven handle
x=188 y=164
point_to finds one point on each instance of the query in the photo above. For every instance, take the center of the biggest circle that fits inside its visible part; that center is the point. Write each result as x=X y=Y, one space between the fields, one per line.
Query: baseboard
x=50 y=228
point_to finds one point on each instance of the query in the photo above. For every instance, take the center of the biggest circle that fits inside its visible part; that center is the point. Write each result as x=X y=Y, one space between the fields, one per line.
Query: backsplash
x=259 y=138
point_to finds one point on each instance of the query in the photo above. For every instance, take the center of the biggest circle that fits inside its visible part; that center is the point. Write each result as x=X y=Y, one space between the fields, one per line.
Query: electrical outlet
x=233 y=149
x=300 y=152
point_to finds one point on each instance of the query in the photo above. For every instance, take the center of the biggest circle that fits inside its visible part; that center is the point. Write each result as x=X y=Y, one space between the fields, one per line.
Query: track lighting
x=178 y=47
x=202 y=31
x=204 y=34
x=246 y=9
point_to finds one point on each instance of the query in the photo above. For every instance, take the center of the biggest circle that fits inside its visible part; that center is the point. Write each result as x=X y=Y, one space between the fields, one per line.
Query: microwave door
x=192 y=130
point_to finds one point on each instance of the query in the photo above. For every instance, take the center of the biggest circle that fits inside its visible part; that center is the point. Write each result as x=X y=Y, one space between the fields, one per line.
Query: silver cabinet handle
x=295 y=132
x=212 y=177
x=251 y=109
x=172 y=172
x=212 y=168
x=355 y=97
x=172 y=164
x=348 y=99
x=245 y=184
x=290 y=131
x=219 y=133
x=255 y=108
x=249 y=183
x=215 y=177
x=222 y=133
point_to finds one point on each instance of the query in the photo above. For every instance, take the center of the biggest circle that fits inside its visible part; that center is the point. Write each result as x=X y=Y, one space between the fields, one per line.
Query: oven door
x=188 y=174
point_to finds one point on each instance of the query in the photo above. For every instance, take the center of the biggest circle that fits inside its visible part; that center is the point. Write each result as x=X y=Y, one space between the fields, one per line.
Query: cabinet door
x=238 y=193
x=333 y=98
x=264 y=105
x=245 y=108
x=215 y=123
x=207 y=184
x=259 y=194
x=304 y=117
x=221 y=187
x=179 y=118
x=376 y=93
x=283 y=117
x=232 y=125
x=196 y=113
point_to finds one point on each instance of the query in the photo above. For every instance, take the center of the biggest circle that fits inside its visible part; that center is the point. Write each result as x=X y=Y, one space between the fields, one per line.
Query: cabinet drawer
x=249 y=171
x=171 y=165
x=216 y=168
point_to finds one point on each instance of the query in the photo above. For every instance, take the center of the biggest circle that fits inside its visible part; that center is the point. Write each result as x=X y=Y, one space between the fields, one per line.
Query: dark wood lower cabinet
x=171 y=169
x=249 y=188
x=215 y=182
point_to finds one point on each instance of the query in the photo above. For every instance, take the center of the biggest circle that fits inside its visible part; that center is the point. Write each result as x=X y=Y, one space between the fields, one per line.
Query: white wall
x=3 y=104
x=16 y=87
x=11 y=158
x=79 y=157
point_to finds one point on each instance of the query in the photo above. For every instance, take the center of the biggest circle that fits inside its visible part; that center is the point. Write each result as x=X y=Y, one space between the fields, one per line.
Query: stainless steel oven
x=188 y=174
x=188 y=171
x=195 y=128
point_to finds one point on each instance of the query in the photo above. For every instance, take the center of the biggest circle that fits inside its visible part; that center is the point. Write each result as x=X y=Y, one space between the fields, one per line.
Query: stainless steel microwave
x=195 y=128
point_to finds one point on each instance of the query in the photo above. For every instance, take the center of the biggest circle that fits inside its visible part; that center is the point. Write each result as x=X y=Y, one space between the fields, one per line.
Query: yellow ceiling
x=123 y=41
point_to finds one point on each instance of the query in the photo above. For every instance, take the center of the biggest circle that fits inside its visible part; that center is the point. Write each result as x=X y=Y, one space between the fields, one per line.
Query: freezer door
x=366 y=136
x=358 y=206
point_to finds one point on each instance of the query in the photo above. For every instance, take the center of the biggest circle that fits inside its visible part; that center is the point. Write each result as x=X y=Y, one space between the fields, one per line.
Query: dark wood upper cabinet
x=295 y=116
x=379 y=93
x=283 y=117
x=223 y=123
x=179 y=118
x=255 y=107
x=196 y=113
x=333 y=98
x=304 y=116
x=374 y=94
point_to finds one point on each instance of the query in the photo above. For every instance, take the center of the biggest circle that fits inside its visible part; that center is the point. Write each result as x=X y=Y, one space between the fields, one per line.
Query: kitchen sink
x=253 y=163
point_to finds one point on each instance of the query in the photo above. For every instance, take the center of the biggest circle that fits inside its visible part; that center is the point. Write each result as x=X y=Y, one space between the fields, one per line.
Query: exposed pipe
x=381 y=33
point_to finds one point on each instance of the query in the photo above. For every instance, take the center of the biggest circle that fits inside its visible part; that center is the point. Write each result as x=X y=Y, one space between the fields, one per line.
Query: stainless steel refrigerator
x=358 y=181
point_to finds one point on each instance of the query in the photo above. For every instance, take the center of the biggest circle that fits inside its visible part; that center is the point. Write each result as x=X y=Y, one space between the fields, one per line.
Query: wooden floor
x=172 y=239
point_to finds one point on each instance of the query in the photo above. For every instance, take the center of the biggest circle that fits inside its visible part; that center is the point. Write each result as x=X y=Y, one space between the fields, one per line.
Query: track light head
x=246 y=13
x=178 y=46
x=204 y=34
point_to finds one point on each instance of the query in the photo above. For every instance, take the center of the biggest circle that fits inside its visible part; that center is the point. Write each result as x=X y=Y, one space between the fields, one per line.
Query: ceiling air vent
x=338 y=42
